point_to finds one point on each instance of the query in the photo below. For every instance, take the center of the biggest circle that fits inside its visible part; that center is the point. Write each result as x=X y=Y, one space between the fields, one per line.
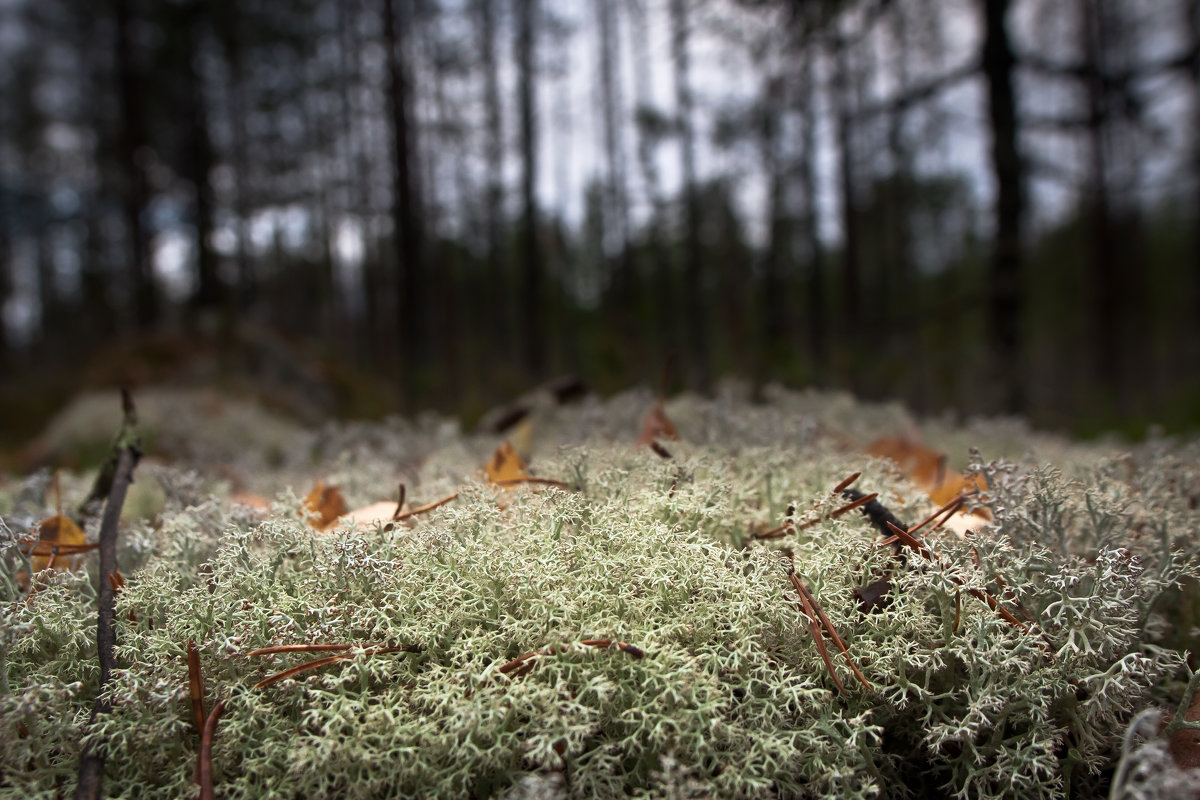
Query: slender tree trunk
x=617 y=212
x=818 y=323
x=1005 y=302
x=1192 y=26
x=773 y=303
x=134 y=193
x=532 y=269
x=696 y=310
x=499 y=313
x=406 y=222
x=210 y=292
x=1108 y=323
x=847 y=183
x=228 y=29
x=647 y=142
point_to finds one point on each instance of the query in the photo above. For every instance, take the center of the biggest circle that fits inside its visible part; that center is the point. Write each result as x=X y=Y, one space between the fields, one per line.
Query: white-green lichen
x=731 y=699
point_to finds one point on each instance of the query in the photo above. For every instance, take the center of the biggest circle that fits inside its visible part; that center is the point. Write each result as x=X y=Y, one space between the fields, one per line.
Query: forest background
x=991 y=206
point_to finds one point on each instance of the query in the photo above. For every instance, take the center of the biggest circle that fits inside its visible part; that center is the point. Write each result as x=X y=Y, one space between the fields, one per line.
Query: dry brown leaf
x=927 y=469
x=324 y=505
x=657 y=425
x=505 y=465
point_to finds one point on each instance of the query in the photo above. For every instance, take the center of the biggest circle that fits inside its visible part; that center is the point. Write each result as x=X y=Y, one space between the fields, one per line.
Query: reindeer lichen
x=709 y=682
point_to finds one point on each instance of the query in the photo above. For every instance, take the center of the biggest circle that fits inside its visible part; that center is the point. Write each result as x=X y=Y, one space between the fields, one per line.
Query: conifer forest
x=989 y=206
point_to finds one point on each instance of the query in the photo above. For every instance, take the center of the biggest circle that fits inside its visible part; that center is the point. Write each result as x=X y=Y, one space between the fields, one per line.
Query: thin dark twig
x=427 y=507
x=828 y=625
x=815 y=630
x=978 y=594
x=195 y=685
x=862 y=501
x=952 y=507
x=846 y=483
x=522 y=664
x=321 y=662
x=204 y=771
x=91 y=762
x=541 y=481
x=400 y=503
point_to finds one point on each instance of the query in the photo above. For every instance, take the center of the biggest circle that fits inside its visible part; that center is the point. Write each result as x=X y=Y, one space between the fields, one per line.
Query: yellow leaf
x=505 y=465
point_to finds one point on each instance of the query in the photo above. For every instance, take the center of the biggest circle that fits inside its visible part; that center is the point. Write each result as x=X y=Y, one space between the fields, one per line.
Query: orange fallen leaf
x=657 y=425
x=505 y=465
x=927 y=469
x=324 y=505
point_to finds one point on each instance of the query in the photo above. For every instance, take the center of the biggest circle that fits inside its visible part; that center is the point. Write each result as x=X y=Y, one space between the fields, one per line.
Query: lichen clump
x=729 y=697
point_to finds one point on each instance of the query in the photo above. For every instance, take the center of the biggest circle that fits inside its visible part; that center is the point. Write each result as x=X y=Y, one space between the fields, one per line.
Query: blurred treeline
x=992 y=205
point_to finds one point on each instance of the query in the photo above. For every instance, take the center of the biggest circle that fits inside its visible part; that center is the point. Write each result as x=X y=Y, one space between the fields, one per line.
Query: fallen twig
x=789 y=527
x=527 y=479
x=522 y=665
x=195 y=685
x=91 y=762
x=204 y=760
x=427 y=507
x=815 y=613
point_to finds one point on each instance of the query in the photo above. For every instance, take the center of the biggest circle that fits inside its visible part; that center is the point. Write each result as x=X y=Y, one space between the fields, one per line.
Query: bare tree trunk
x=818 y=323
x=695 y=307
x=773 y=303
x=647 y=151
x=134 y=194
x=227 y=22
x=406 y=221
x=1005 y=304
x=499 y=313
x=532 y=269
x=616 y=215
x=1192 y=26
x=210 y=293
x=1108 y=319
x=847 y=182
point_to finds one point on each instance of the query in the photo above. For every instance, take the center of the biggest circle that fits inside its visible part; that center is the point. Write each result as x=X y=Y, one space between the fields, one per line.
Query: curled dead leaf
x=324 y=505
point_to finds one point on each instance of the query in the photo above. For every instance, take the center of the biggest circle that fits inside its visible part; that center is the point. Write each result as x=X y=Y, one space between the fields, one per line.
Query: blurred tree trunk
x=647 y=140
x=1192 y=26
x=134 y=191
x=695 y=307
x=6 y=286
x=1108 y=318
x=1005 y=306
x=210 y=292
x=818 y=324
x=773 y=302
x=228 y=30
x=406 y=219
x=851 y=265
x=498 y=310
x=532 y=268
x=616 y=217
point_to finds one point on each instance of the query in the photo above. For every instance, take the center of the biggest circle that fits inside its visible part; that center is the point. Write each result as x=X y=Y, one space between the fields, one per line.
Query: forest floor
x=722 y=550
